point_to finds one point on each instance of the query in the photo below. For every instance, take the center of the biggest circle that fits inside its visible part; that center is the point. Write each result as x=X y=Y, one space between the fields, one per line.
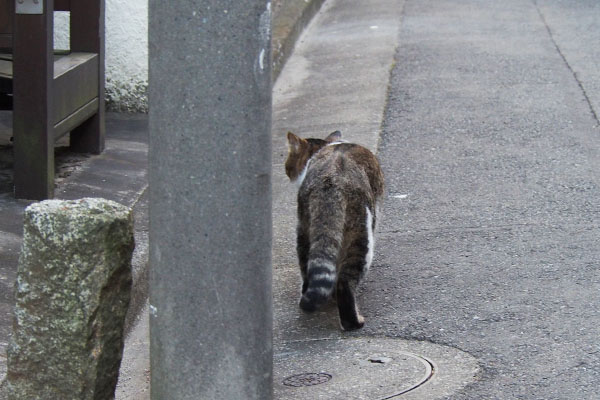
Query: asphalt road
x=491 y=150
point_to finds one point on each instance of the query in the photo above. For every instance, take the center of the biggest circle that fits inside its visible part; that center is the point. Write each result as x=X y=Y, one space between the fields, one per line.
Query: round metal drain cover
x=363 y=369
x=307 y=379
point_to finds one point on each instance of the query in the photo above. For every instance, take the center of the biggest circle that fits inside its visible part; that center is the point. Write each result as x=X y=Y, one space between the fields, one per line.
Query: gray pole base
x=210 y=199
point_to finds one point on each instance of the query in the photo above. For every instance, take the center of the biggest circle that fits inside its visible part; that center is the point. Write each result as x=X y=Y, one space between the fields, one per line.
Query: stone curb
x=289 y=19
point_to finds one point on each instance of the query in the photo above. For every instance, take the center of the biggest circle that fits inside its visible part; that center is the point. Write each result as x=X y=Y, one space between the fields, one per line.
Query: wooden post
x=87 y=35
x=6 y=17
x=33 y=131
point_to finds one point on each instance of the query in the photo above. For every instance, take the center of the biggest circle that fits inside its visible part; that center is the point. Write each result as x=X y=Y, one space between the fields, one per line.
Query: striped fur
x=340 y=186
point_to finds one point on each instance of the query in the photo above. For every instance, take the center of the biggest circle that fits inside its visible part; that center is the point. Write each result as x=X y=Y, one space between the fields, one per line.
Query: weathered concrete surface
x=134 y=376
x=339 y=82
x=290 y=17
x=210 y=200
x=73 y=289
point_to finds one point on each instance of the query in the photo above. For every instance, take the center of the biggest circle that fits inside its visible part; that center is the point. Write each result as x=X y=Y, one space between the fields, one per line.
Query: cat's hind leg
x=350 y=317
x=302 y=248
x=353 y=267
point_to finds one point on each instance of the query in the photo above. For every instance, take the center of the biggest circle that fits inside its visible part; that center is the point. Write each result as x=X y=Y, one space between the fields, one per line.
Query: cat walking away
x=339 y=187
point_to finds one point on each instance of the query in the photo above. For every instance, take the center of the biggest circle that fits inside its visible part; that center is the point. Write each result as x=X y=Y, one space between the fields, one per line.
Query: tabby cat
x=340 y=185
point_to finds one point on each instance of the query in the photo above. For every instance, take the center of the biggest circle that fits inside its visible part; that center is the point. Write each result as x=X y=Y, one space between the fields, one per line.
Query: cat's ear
x=294 y=142
x=334 y=137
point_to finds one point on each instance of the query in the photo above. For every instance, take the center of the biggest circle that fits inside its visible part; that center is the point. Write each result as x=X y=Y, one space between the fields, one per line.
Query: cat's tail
x=326 y=232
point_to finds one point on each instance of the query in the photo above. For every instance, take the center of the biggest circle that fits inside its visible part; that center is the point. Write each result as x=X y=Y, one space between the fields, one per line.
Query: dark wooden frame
x=54 y=97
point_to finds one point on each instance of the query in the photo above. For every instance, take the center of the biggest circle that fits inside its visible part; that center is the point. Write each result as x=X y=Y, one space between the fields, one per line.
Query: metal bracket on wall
x=29 y=6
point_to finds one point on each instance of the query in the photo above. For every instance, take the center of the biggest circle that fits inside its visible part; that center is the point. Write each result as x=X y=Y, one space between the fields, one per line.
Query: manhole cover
x=307 y=379
x=363 y=369
x=369 y=368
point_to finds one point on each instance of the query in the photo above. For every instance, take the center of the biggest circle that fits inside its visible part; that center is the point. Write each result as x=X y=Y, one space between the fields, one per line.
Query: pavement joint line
x=141 y=194
x=403 y=232
x=389 y=84
x=458 y=228
x=579 y=83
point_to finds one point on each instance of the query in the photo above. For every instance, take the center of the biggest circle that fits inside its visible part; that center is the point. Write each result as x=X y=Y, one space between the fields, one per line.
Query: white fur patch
x=302 y=175
x=324 y=276
x=371 y=238
x=321 y=290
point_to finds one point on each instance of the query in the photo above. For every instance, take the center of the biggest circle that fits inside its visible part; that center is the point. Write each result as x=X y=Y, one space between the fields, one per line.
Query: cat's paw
x=307 y=304
x=353 y=324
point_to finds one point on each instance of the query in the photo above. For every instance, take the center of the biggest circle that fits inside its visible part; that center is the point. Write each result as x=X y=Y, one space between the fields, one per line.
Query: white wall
x=126 y=52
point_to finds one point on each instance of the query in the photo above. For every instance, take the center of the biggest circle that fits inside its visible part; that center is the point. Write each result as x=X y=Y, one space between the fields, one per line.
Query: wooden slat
x=76 y=118
x=6 y=73
x=68 y=62
x=75 y=83
x=6 y=69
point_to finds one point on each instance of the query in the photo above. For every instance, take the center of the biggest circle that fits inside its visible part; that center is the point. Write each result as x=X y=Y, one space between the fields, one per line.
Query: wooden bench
x=53 y=94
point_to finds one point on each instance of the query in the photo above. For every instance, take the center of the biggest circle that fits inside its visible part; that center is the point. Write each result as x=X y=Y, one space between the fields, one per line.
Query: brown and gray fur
x=340 y=185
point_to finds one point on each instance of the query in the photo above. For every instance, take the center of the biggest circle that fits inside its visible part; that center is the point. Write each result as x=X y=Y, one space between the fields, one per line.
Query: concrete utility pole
x=210 y=199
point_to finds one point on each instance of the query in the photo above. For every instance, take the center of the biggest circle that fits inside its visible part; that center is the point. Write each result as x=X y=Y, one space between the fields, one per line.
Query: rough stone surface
x=72 y=293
